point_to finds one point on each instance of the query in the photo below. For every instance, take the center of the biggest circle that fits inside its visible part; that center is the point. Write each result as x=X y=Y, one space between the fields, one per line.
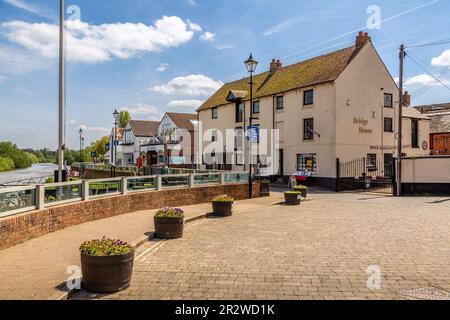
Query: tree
x=124 y=118
x=99 y=146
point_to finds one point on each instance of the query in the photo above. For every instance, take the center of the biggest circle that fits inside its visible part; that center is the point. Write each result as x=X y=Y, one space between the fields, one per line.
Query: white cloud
x=15 y=61
x=162 y=67
x=192 y=3
x=193 y=26
x=224 y=46
x=97 y=43
x=423 y=79
x=72 y=122
x=191 y=85
x=144 y=110
x=95 y=129
x=208 y=36
x=185 y=104
x=443 y=60
x=280 y=27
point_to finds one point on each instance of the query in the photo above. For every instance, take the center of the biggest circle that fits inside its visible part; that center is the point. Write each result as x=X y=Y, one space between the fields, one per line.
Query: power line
x=441 y=42
x=424 y=69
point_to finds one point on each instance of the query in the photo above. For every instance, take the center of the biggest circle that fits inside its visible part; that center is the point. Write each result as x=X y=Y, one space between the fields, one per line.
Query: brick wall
x=18 y=229
x=102 y=174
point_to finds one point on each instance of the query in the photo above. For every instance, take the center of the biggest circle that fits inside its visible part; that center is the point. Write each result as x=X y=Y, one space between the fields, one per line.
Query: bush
x=175 y=213
x=293 y=192
x=6 y=164
x=223 y=198
x=105 y=247
x=300 y=188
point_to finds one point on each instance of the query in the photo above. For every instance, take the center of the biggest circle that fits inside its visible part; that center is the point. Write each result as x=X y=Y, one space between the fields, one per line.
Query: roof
x=433 y=108
x=311 y=72
x=409 y=112
x=183 y=120
x=143 y=128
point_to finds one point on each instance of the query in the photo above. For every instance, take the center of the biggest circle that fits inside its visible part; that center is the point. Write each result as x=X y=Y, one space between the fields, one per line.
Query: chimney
x=275 y=65
x=362 y=38
x=406 y=99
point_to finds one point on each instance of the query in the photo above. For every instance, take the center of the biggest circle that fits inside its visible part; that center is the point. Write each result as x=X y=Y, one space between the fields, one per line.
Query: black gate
x=367 y=174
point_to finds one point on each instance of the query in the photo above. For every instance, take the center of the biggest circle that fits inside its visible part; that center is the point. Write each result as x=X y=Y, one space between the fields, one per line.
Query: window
x=215 y=113
x=239 y=142
x=308 y=129
x=415 y=133
x=239 y=112
x=307 y=162
x=308 y=97
x=388 y=100
x=280 y=103
x=372 y=162
x=240 y=158
x=214 y=136
x=388 y=125
x=256 y=109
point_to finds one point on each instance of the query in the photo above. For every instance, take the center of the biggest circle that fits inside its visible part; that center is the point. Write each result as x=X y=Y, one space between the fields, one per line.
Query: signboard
x=254 y=133
x=107 y=146
x=177 y=160
x=116 y=143
x=93 y=154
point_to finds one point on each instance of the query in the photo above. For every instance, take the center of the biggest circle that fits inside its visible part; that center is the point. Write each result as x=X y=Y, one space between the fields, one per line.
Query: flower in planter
x=223 y=198
x=293 y=192
x=168 y=212
x=105 y=247
x=301 y=188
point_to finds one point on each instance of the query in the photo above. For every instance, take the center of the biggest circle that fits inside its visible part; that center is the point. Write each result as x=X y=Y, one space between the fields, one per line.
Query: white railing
x=27 y=198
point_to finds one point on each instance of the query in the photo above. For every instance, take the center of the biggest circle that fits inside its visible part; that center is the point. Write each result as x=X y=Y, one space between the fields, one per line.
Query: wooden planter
x=108 y=274
x=292 y=199
x=169 y=228
x=222 y=209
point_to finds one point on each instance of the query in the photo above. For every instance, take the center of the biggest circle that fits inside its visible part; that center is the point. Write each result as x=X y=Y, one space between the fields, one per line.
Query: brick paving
x=36 y=268
x=320 y=250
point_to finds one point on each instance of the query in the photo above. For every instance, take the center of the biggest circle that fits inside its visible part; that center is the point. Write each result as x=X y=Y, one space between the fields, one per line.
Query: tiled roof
x=318 y=70
x=433 y=108
x=143 y=128
x=183 y=120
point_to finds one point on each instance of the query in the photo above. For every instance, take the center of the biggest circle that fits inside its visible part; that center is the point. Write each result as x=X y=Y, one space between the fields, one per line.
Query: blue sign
x=107 y=146
x=254 y=133
x=93 y=154
x=116 y=143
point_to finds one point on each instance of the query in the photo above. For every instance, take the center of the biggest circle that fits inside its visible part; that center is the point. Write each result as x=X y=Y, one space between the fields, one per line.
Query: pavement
x=37 y=269
x=327 y=248
x=334 y=246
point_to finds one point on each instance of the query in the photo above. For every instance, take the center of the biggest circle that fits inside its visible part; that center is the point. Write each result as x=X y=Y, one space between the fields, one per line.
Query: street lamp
x=81 y=145
x=116 y=122
x=251 y=65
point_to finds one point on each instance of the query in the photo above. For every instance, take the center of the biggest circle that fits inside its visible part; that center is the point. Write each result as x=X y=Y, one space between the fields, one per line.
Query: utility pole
x=61 y=122
x=400 y=123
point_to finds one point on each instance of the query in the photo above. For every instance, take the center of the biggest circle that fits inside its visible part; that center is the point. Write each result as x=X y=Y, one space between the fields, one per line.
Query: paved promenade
x=36 y=269
x=320 y=250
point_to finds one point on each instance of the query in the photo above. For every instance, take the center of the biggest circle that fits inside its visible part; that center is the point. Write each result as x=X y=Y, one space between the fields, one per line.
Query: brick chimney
x=406 y=99
x=275 y=65
x=362 y=38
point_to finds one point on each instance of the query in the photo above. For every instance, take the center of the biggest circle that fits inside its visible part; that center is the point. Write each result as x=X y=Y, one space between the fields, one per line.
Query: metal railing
x=36 y=197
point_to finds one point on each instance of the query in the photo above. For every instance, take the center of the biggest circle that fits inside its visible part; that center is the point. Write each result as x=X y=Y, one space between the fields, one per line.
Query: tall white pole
x=61 y=122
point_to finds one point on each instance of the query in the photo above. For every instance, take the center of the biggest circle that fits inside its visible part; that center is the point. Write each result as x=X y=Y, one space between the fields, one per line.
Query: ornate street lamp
x=251 y=65
x=81 y=146
x=116 y=116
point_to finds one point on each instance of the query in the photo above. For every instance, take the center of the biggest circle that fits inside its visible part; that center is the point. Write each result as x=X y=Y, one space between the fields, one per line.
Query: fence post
x=338 y=174
x=40 y=197
x=85 y=190
x=222 y=178
x=394 y=177
x=159 y=183
x=124 y=185
x=191 y=180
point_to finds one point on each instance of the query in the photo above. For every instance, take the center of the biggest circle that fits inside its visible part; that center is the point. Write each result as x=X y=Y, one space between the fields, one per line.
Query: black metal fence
x=365 y=174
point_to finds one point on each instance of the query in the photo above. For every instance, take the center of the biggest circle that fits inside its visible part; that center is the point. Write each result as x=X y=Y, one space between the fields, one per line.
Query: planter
x=292 y=199
x=107 y=274
x=222 y=209
x=169 y=228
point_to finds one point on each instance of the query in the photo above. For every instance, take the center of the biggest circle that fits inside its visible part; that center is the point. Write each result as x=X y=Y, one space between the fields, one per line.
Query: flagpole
x=61 y=113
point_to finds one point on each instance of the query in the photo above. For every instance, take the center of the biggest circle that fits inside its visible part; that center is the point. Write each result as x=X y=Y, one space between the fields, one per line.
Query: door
x=281 y=162
x=388 y=165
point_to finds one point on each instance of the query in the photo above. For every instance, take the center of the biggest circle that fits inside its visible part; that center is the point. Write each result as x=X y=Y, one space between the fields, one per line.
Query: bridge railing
x=21 y=199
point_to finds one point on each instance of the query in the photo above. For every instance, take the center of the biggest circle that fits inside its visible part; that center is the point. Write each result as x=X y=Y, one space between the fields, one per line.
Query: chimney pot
x=275 y=65
x=406 y=99
x=362 y=38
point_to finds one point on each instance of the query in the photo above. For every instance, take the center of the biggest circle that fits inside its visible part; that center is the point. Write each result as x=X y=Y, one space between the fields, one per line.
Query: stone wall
x=103 y=174
x=18 y=229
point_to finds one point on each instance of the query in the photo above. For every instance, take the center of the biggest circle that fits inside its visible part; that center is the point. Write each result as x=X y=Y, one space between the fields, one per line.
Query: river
x=35 y=171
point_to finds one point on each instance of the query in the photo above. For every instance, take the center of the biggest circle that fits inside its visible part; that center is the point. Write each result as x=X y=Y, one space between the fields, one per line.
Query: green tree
x=99 y=146
x=124 y=118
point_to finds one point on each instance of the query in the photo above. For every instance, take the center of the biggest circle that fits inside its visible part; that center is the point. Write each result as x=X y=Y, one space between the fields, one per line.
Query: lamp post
x=61 y=98
x=81 y=145
x=251 y=65
x=116 y=116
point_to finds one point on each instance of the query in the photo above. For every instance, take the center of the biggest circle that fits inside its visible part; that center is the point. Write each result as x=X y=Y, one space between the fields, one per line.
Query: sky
x=155 y=56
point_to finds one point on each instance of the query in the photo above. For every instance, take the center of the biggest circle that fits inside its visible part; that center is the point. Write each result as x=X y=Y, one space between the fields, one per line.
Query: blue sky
x=153 y=56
